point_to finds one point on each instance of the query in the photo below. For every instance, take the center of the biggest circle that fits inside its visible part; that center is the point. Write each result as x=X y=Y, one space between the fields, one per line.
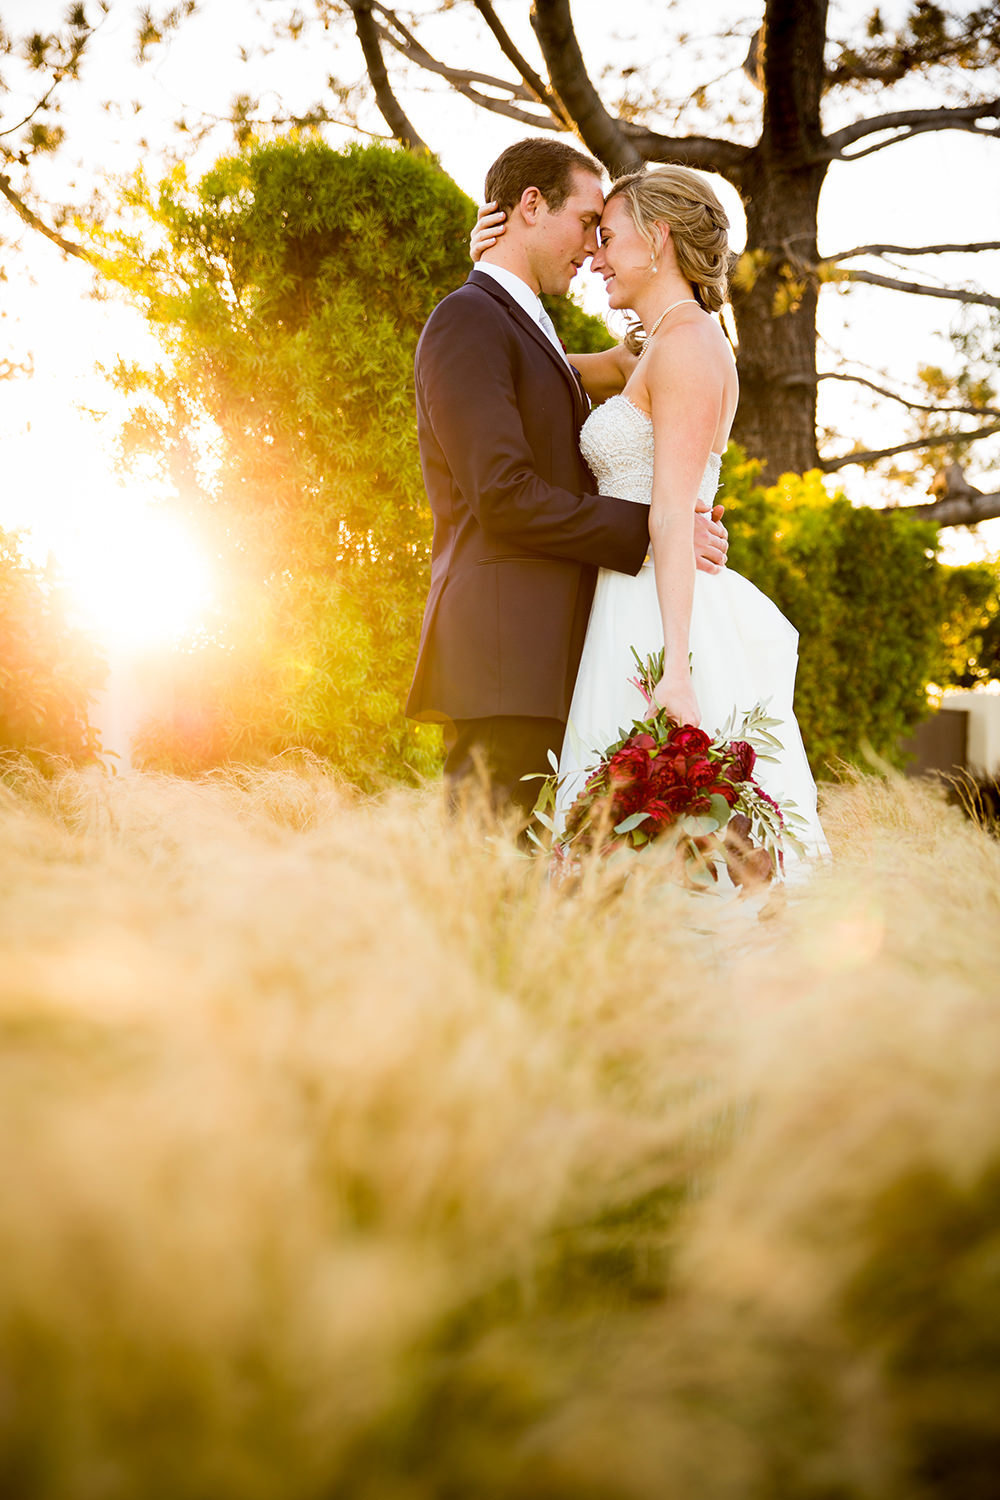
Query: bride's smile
x=625 y=260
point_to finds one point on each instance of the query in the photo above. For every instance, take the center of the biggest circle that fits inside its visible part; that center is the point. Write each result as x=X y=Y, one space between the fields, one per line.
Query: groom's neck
x=514 y=258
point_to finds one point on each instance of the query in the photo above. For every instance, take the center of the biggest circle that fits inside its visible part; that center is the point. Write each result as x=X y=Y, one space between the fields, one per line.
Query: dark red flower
x=640 y=742
x=771 y=802
x=700 y=772
x=689 y=739
x=661 y=816
x=743 y=758
x=628 y=764
x=676 y=798
x=663 y=773
x=725 y=789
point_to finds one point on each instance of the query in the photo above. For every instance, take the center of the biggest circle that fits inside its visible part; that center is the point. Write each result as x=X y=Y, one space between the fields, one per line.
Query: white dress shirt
x=526 y=299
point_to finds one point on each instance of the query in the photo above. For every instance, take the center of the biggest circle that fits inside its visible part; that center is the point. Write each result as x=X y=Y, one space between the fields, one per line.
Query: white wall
x=984 y=729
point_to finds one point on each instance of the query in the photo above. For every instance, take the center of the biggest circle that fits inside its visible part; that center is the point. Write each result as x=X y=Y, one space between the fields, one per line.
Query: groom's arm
x=467 y=396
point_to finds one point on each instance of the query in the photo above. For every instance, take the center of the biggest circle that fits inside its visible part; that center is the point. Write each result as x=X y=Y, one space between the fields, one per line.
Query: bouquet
x=664 y=780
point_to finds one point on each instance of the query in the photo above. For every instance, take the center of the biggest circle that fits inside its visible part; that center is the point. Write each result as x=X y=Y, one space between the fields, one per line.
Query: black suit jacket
x=518 y=531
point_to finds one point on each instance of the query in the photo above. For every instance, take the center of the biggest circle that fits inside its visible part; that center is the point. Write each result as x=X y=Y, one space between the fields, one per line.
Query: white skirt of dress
x=743 y=652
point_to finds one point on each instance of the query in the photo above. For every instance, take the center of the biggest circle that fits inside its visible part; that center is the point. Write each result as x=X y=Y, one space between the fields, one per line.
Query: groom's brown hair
x=545 y=165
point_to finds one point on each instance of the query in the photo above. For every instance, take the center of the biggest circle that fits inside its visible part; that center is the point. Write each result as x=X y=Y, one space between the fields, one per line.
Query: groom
x=518 y=531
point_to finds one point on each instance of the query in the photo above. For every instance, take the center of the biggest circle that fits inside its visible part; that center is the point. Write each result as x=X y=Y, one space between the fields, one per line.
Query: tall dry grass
x=346 y=1157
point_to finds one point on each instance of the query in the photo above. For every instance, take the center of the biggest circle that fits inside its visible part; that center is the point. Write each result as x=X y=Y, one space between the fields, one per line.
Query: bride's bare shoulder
x=695 y=345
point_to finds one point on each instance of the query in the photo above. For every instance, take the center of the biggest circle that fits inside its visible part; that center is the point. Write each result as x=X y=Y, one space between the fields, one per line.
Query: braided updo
x=699 y=227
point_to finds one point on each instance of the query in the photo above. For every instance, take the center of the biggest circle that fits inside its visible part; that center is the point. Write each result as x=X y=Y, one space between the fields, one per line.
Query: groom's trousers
x=493 y=754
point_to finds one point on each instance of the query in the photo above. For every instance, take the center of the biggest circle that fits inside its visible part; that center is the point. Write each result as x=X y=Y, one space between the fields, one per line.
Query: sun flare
x=139 y=578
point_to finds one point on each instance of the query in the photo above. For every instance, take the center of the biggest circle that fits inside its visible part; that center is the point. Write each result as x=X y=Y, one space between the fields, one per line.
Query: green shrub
x=866 y=593
x=971 y=633
x=288 y=289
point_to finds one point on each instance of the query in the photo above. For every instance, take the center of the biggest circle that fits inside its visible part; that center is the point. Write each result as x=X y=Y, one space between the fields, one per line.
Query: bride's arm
x=603 y=373
x=685 y=394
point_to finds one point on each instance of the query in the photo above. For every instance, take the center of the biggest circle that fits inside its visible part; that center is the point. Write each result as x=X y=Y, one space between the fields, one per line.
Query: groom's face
x=562 y=241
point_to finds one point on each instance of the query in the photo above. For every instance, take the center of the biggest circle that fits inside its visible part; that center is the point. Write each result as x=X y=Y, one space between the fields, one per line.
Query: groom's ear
x=530 y=204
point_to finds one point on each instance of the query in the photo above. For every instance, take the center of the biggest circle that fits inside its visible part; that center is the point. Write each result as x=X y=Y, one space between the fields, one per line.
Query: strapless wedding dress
x=743 y=650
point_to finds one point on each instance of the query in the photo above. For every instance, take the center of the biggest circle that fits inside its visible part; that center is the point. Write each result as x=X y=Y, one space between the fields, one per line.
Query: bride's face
x=623 y=256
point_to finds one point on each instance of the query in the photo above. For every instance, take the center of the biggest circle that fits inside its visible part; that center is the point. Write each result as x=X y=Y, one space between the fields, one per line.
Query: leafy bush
x=288 y=288
x=49 y=671
x=971 y=635
x=867 y=595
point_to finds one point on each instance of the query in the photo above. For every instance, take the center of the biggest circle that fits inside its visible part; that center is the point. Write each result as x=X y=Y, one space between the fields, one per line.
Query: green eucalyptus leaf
x=632 y=821
x=698 y=825
x=720 y=809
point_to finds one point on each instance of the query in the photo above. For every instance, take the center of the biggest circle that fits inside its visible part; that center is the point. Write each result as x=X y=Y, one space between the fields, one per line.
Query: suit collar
x=531 y=326
x=515 y=286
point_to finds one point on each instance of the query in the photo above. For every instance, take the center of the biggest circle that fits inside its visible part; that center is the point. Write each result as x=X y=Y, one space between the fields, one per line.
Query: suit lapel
x=534 y=331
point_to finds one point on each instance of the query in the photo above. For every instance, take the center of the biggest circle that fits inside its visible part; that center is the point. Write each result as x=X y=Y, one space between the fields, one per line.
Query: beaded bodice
x=617 y=442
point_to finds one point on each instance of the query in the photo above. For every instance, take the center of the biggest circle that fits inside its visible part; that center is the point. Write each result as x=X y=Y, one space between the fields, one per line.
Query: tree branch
x=392 y=111
x=959 y=511
x=461 y=79
x=23 y=212
x=704 y=151
x=600 y=133
x=923 y=42
x=909 y=135
x=962 y=411
x=532 y=80
x=931 y=440
x=961 y=117
x=43 y=101
x=953 y=294
x=969 y=249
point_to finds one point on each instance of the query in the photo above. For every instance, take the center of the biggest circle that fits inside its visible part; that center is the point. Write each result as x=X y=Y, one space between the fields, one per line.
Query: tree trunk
x=776 y=421
x=781 y=183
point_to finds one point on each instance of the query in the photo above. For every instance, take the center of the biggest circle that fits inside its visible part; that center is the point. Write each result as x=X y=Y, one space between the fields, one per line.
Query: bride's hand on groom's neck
x=489 y=226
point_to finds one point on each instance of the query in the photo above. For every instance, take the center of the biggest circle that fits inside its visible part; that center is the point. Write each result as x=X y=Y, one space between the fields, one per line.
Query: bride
x=664 y=255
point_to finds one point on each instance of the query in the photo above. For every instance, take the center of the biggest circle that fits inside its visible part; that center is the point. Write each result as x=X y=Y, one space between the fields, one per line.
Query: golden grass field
x=347 y=1159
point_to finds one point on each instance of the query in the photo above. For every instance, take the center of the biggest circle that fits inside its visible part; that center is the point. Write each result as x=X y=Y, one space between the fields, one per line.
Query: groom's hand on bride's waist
x=711 y=539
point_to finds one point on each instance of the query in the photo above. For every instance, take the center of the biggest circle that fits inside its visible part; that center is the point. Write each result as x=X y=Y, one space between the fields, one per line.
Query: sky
x=57 y=427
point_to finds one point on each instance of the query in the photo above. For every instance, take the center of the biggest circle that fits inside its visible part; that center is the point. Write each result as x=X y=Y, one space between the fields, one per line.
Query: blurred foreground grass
x=344 y=1157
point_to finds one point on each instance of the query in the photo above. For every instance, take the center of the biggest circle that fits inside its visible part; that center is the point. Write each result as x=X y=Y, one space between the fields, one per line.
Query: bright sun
x=139 y=577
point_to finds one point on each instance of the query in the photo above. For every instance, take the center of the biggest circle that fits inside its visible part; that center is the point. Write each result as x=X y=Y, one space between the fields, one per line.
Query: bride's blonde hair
x=699 y=229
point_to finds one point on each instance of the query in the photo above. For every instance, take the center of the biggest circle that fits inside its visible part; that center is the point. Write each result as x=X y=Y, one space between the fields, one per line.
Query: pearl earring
x=652 y=265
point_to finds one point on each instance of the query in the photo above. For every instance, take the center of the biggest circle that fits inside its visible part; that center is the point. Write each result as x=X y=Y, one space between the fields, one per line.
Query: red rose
x=742 y=762
x=628 y=780
x=725 y=789
x=690 y=740
x=670 y=763
x=661 y=816
x=640 y=742
x=627 y=765
x=662 y=774
x=676 y=798
x=700 y=772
